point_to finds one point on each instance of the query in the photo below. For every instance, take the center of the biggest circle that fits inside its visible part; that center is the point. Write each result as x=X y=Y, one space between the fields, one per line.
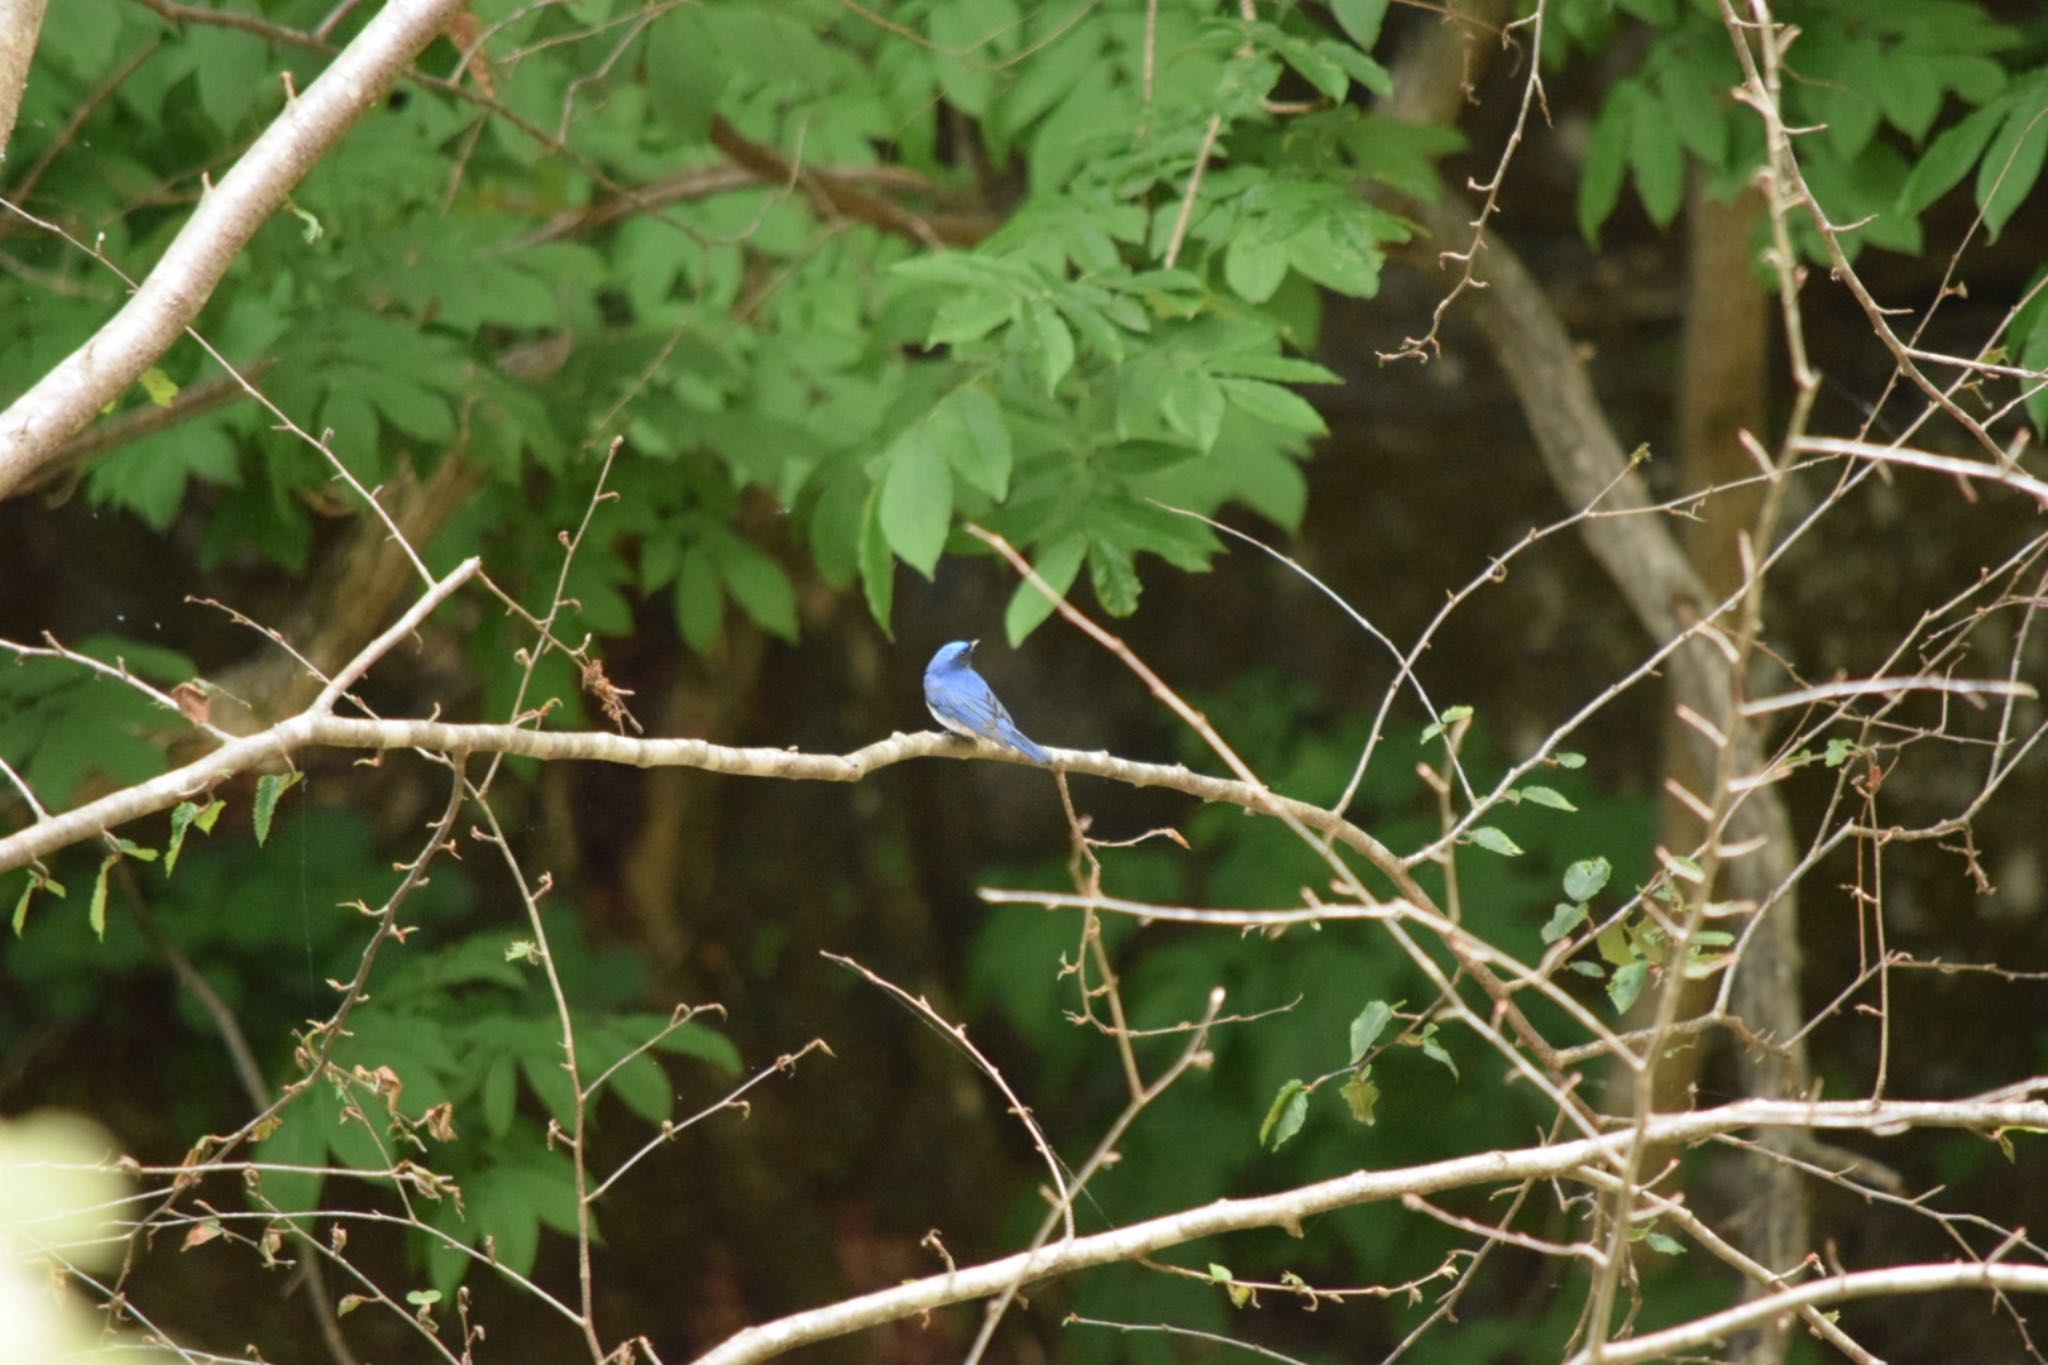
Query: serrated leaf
x=1547 y=796
x=1565 y=918
x=1494 y=841
x=1435 y=1051
x=1114 y=578
x=1284 y=1119
x=269 y=788
x=1367 y=1027
x=1584 y=879
x=1360 y=1095
x=184 y=816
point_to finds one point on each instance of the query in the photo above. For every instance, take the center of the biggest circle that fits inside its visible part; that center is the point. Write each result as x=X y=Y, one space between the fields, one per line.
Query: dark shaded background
x=827 y=1186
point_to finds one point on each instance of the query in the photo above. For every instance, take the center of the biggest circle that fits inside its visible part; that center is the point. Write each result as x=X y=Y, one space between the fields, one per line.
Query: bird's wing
x=975 y=705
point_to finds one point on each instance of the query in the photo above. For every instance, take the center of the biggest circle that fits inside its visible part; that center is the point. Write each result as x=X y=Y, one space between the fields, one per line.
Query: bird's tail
x=1016 y=739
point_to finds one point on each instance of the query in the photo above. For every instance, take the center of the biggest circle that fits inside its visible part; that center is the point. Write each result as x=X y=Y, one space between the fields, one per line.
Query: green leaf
x=1360 y=20
x=1192 y=404
x=1663 y=1242
x=916 y=508
x=1367 y=1027
x=269 y=788
x=1338 y=255
x=969 y=315
x=1839 y=752
x=1495 y=841
x=2012 y=163
x=1565 y=759
x=1658 y=159
x=1114 y=577
x=1254 y=267
x=1584 y=879
x=183 y=817
x=1284 y=369
x=684 y=74
x=699 y=606
x=759 y=585
x=1607 y=155
x=161 y=388
x=97 y=914
x=1434 y=1050
x=1565 y=918
x=229 y=69
x=1283 y=408
x=1053 y=342
x=1949 y=158
x=1058 y=564
x=1360 y=1095
x=1450 y=716
x=976 y=441
x=1626 y=984
x=877 y=565
x=1284 y=1119
x=1546 y=796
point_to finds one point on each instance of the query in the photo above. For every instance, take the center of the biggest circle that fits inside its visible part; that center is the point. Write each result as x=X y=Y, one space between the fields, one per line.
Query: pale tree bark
x=39 y=422
x=20 y=22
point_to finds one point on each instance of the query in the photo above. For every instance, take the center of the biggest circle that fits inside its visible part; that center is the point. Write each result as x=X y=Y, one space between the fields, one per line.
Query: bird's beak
x=971 y=644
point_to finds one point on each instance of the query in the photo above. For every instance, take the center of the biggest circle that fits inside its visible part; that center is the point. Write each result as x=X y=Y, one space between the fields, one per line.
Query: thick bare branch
x=20 y=22
x=38 y=423
x=1289 y=1208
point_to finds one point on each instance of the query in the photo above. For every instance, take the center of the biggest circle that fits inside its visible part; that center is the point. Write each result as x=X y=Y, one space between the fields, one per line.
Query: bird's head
x=952 y=656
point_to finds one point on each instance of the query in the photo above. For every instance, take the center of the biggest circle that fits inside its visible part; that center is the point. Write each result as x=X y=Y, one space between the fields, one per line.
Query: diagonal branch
x=1289 y=1208
x=20 y=21
x=38 y=423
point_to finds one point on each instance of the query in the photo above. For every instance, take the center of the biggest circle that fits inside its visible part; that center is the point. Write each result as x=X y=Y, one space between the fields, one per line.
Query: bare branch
x=38 y=423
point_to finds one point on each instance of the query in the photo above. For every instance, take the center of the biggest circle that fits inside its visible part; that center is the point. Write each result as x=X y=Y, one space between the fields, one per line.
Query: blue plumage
x=961 y=700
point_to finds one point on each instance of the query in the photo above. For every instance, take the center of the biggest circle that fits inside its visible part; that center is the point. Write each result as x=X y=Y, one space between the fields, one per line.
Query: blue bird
x=961 y=700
